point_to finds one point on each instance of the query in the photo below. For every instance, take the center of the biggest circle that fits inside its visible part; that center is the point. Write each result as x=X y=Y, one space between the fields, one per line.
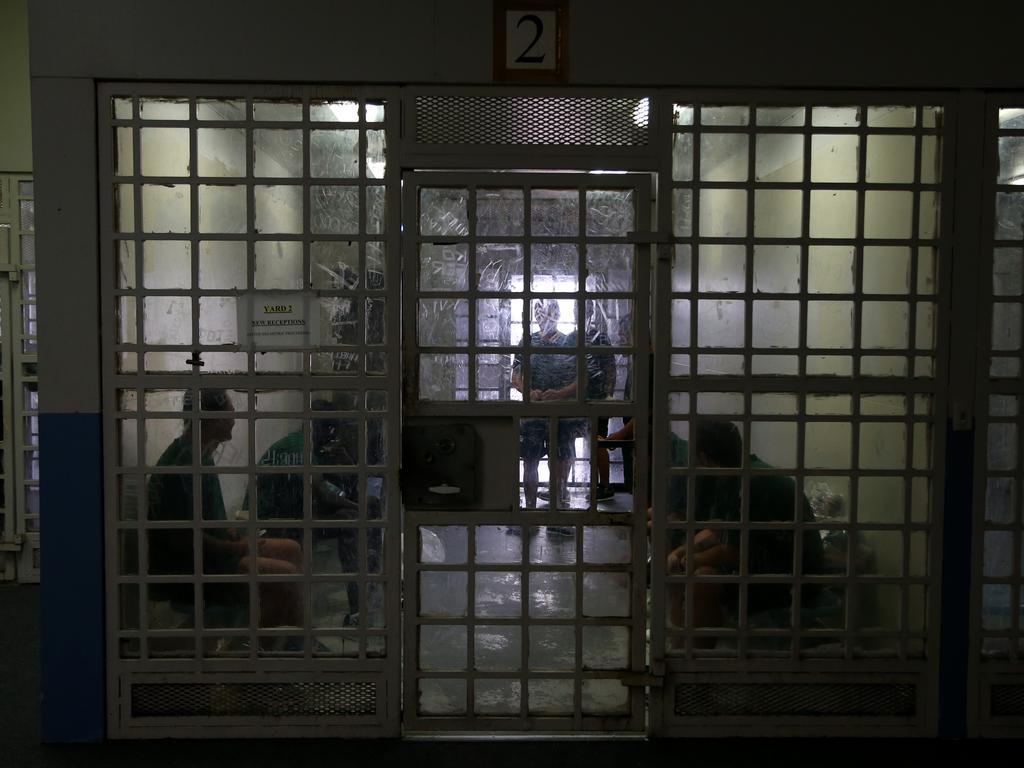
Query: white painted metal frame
x=923 y=387
x=523 y=520
x=124 y=404
x=997 y=578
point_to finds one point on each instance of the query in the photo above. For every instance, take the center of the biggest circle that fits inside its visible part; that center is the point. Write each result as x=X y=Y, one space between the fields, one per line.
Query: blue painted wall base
x=73 y=681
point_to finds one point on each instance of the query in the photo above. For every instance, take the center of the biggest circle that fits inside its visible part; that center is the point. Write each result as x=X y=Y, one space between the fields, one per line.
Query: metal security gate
x=801 y=328
x=526 y=306
x=250 y=335
x=997 y=620
x=19 y=390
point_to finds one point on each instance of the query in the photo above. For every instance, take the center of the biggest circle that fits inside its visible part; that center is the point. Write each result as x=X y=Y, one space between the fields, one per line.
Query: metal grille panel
x=800 y=700
x=532 y=121
x=1007 y=700
x=253 y=699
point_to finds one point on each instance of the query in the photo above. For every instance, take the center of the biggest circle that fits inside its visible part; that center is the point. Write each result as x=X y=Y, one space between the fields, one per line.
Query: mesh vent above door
x=1008 y=700
x=532 y=121
x=794 y=700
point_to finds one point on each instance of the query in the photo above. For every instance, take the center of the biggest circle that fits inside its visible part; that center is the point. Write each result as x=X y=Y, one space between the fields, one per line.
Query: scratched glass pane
x=444 y=267
x=723 y=212
x=555 y=212
x=334 y=210
x=890 y=159
x=222 y=264
x=776 y=268
x=498 y=648
x=334 y=265
x=610 y=212
x=220 y=109
x=442 y=647
x=554 y=267
x=376 y=154
x=166 y=264
x=888 y=215
x=277 y=109
x=724 y=115
x=606 y=594
x=1011 y=160
x=682 y=114
x=375 y=321
x=334 y=154
x=1002 y=447
x=840 y=117
x=682 y=157
x=443 y=593
x=552 y=648
x=885 y=325
x=779 y=156
x=778 y=213
x=125 y=263
x=1007 y=271
x=494 y=378
x=164 y=151
x=278 y=209
x=222 y=209
x=998 y=559
x=886 y=269
x=277 y=153
x=499 y=322
x=443 y=211
x=376 y=209
x=124 y=152
x=722 y=268
x=995 y=607
x=552 y=595
x=375 y=111
x=830 y=324
x=278 y=264
x=682 y=212
x=339 y=321
x=999 y=500
x=167 y=320
x=724 y=157
x=218 y=320
x=604 y=697
x=781 y=116
x=605 y=647
x=221 y=151
x=338 y=111
x=499 y=212
x=609 y=267
x=444 y=377
x=165 y=208
x=776 y=324
x=376 y=266
x=443 y=322
x=720 y=323
x=498 y=594
x=499 y=267
x=1009 y=215
x=1006 y=326
x=830 y=269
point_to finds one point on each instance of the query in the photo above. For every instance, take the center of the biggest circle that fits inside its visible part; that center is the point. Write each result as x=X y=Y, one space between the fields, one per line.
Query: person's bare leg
x=707 y=607
x=531 y=479
x=604 y=466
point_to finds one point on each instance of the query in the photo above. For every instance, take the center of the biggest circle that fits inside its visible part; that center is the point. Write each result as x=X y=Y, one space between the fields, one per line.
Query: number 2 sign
x=530 y=40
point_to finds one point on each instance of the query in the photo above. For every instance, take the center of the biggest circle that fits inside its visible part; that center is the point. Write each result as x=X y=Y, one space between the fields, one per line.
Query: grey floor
x=20 y=747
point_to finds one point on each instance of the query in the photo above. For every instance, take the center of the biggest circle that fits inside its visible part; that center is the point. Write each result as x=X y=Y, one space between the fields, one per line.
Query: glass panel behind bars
x=803 y=336
x=1000 y=428
x=255 y=425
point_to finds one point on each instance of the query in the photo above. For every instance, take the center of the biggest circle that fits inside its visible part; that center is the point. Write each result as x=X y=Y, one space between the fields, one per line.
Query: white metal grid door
x=800 y=339
x=19 y=532
x=526 y=305
x=998 y=564
x=250 y=327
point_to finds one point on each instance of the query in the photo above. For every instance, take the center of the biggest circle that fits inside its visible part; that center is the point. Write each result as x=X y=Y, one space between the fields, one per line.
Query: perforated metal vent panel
x=799 y=700
x=1008 y=700
x=253 y=699
x=532 y=121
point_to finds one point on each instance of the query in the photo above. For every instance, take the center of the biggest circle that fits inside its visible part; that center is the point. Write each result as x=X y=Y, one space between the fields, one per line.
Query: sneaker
x=544 y=494
x=561 y=530
x=350 y=620
x=604 y=493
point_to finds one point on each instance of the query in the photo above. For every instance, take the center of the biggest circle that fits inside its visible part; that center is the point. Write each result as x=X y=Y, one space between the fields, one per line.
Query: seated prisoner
x=170 y=498
x=717 y=552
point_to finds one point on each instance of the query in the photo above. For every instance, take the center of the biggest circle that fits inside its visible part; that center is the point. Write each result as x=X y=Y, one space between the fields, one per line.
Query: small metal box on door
x=439 y=465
